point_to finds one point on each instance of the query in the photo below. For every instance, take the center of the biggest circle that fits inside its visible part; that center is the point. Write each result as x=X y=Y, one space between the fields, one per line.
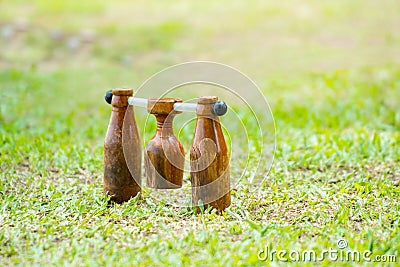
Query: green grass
x=330 y=71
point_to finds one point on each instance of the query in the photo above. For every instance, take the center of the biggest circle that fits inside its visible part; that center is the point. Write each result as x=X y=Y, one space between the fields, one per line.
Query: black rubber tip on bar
x=108 y=96
x=220 y=108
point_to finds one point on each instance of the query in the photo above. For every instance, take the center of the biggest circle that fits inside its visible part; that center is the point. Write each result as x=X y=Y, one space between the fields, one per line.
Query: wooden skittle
x=164 y=156
x=209 y=159
x=120 y=181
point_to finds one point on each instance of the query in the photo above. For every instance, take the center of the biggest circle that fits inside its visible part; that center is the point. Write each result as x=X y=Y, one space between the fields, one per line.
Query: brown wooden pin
x=164 y=157
x=122 y=177
x=209 y=159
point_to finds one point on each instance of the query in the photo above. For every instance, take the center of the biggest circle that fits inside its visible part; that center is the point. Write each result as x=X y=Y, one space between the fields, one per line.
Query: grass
x=329 y=70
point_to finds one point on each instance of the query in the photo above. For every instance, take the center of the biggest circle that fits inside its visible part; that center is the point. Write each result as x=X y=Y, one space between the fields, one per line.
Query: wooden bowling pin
x=122 y=176
x=209 y=159
x=164 y=156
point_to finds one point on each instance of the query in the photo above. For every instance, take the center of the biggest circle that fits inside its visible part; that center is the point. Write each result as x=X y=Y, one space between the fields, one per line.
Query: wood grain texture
x=120 y=180
x=209 y=159
x=164 y=157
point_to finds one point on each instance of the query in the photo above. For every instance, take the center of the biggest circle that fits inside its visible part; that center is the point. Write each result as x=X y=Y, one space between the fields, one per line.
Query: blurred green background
x=329 y=69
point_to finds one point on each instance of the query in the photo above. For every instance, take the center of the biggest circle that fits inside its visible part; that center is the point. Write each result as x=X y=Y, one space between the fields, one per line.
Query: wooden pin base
x=209 y=160
x=121 y=181
x=164 y=156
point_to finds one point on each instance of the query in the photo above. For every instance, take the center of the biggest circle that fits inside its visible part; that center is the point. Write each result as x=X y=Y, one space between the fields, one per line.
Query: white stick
x=142 y=102
x=137 y=102
x=191 y=107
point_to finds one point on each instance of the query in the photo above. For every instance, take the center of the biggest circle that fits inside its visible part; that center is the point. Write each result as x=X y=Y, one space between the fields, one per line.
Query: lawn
x=329 y=70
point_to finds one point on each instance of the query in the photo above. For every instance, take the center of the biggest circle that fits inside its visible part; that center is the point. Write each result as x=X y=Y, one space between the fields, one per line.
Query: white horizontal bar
x=137 y=102
x=142 y=102
x=191 y=107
